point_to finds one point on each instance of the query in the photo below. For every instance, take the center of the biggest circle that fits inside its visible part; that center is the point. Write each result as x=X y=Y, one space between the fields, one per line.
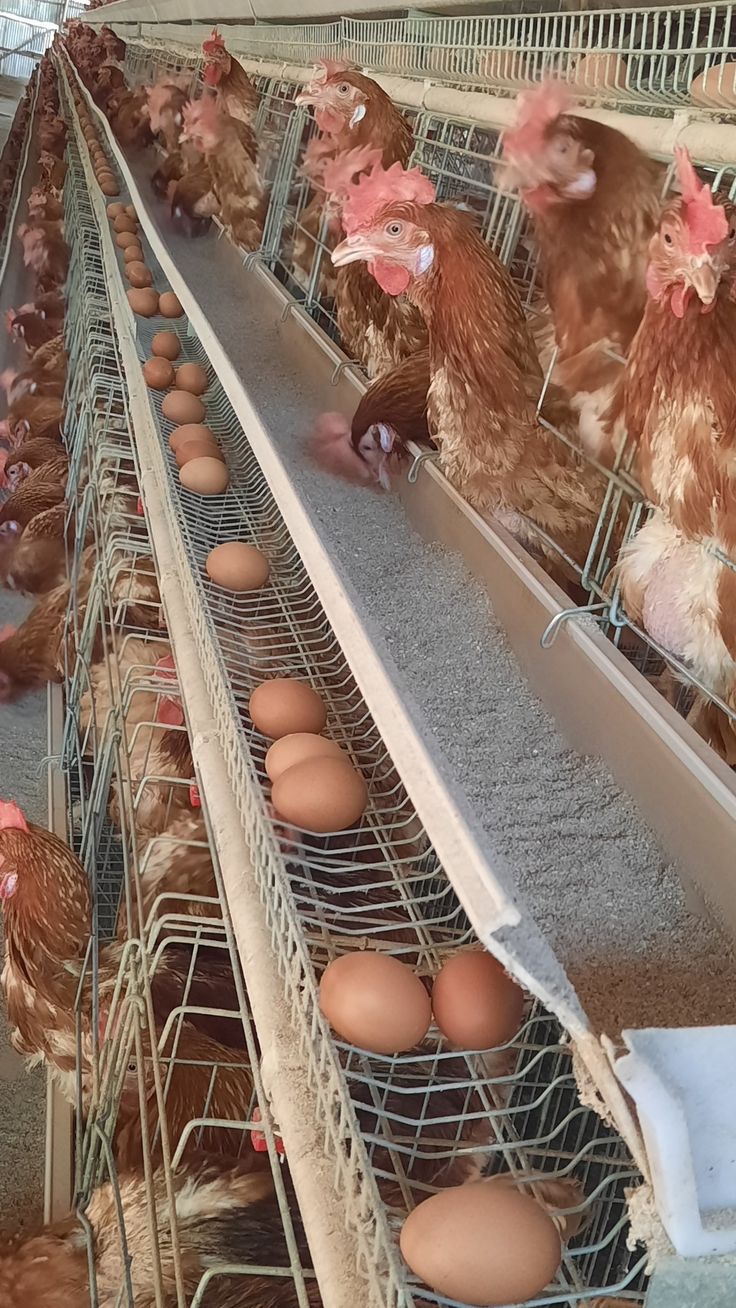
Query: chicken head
x=382 y=216
x=694 y=245
x=202 y=125
x=217 y=61
x=339 y=96
x=544 y=155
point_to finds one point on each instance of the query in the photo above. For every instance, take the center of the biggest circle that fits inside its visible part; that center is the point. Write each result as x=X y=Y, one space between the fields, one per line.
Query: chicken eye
x=394 y=229
x=667 y=238
x=343 y=88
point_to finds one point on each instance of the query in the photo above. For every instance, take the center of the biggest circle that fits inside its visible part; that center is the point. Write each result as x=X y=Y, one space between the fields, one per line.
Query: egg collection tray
x=379 y=886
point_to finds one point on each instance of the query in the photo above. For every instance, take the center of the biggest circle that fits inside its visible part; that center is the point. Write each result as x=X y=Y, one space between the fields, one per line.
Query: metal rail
x=12 y=215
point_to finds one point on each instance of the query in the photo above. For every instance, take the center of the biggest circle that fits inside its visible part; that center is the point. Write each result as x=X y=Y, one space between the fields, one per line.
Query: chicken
x=32 y=329
x=192 y=198
x=158 y=752
x=175 y=862
x=45 y=204
x=29 y=654
x=46 y=253
x=485 y=375
x=202 y=1078
x=234 y=91
x=377 y=329
x=392 y=412
x=33 y=416
x=222 y=1213
x=165 y=102
x=229 y=149
x=47 y=917
x=34 y=453
x=44 y=488
x=127 y=113
x=679 y=406
x=308 y=225
x=595 y=200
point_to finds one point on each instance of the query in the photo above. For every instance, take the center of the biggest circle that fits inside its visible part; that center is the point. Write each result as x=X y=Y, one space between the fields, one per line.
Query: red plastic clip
x=194 y=799
x=139 y=507
x=258 y=1139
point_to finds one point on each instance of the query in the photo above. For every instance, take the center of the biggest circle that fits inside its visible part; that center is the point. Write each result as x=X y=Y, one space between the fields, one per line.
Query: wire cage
x=393 y=1129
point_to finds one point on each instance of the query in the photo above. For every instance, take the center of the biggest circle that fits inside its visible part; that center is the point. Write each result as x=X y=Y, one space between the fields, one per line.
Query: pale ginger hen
x=228 y=146
x=679 y=406
x=595 y=199
x=378 y=329
x=485 y=375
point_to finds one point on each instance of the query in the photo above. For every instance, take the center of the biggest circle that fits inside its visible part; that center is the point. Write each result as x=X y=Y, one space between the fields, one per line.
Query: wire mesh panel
x=393 y=1129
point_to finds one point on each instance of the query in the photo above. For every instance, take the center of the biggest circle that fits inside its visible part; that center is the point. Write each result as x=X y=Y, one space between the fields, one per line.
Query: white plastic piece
x=682 y=1082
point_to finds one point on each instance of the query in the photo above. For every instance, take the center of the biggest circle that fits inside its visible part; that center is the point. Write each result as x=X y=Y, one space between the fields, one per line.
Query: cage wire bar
x=393 y=1128
x=114 y=637
x=459 y=156
x=650 y=60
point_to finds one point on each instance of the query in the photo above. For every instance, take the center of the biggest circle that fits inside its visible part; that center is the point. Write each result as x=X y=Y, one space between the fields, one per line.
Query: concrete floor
x=22 y=778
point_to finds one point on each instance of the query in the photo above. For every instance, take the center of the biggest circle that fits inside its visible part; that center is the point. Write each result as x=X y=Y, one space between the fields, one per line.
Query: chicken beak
x=704 y=281
x=307 y=97
x=355 y=249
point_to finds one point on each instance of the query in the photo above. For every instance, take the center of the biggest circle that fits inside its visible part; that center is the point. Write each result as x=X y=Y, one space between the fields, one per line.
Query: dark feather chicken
x=229 y=149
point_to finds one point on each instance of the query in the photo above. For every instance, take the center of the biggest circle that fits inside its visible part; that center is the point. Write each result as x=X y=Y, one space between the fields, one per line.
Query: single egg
x=131 y=211
x=375 y=1002
x=485 y=1243
x=321 y=794
x=115 y=208
x=715 y=87
x=190 y=431
x=300 y=745
x=180 y=407
x=190 y=377
x=133 y=254
x=170 y=306
x=236 y=566
x=205 y=476
x=144 y=303
x=158 y=374
x=476 y=1004
x=125 y=239
x=125 y=224
x=138 y=274
x=194 y=449
x=284 y=705
x=109 y=188
x=167 y=345
x=599 y=72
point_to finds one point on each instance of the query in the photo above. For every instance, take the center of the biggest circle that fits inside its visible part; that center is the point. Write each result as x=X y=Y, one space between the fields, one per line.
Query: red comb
x=707 y=223
x=338 y=173
x=11 y=818
x=537 y=110
x=382 y=186
x=214 y=44
x=327 y=68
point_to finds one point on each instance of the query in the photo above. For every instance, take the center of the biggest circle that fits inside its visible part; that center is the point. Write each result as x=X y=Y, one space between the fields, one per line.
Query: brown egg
x=167 y=345
x=284 y=705
x=195 y=449
x=715 y=87
x=133 y=254
x=476 y=1004
x=114 y=209
x=205 y=476
x=236 y=566
x=143 y=302
x=321 y=794
x=300 y=745
x=486 y=1242
x=180 y=407
x=190 y=377
x=125 y=224
x=138 y=274
x=109 y=188
x=190 y=431
x=124 y=240
x=131 y=211
x=170 y=306
x=375 y=1002
x=158 y=374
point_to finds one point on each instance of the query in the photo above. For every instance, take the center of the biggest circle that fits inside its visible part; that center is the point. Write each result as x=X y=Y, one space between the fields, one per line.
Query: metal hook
x=549 y=635
x=426 y=456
